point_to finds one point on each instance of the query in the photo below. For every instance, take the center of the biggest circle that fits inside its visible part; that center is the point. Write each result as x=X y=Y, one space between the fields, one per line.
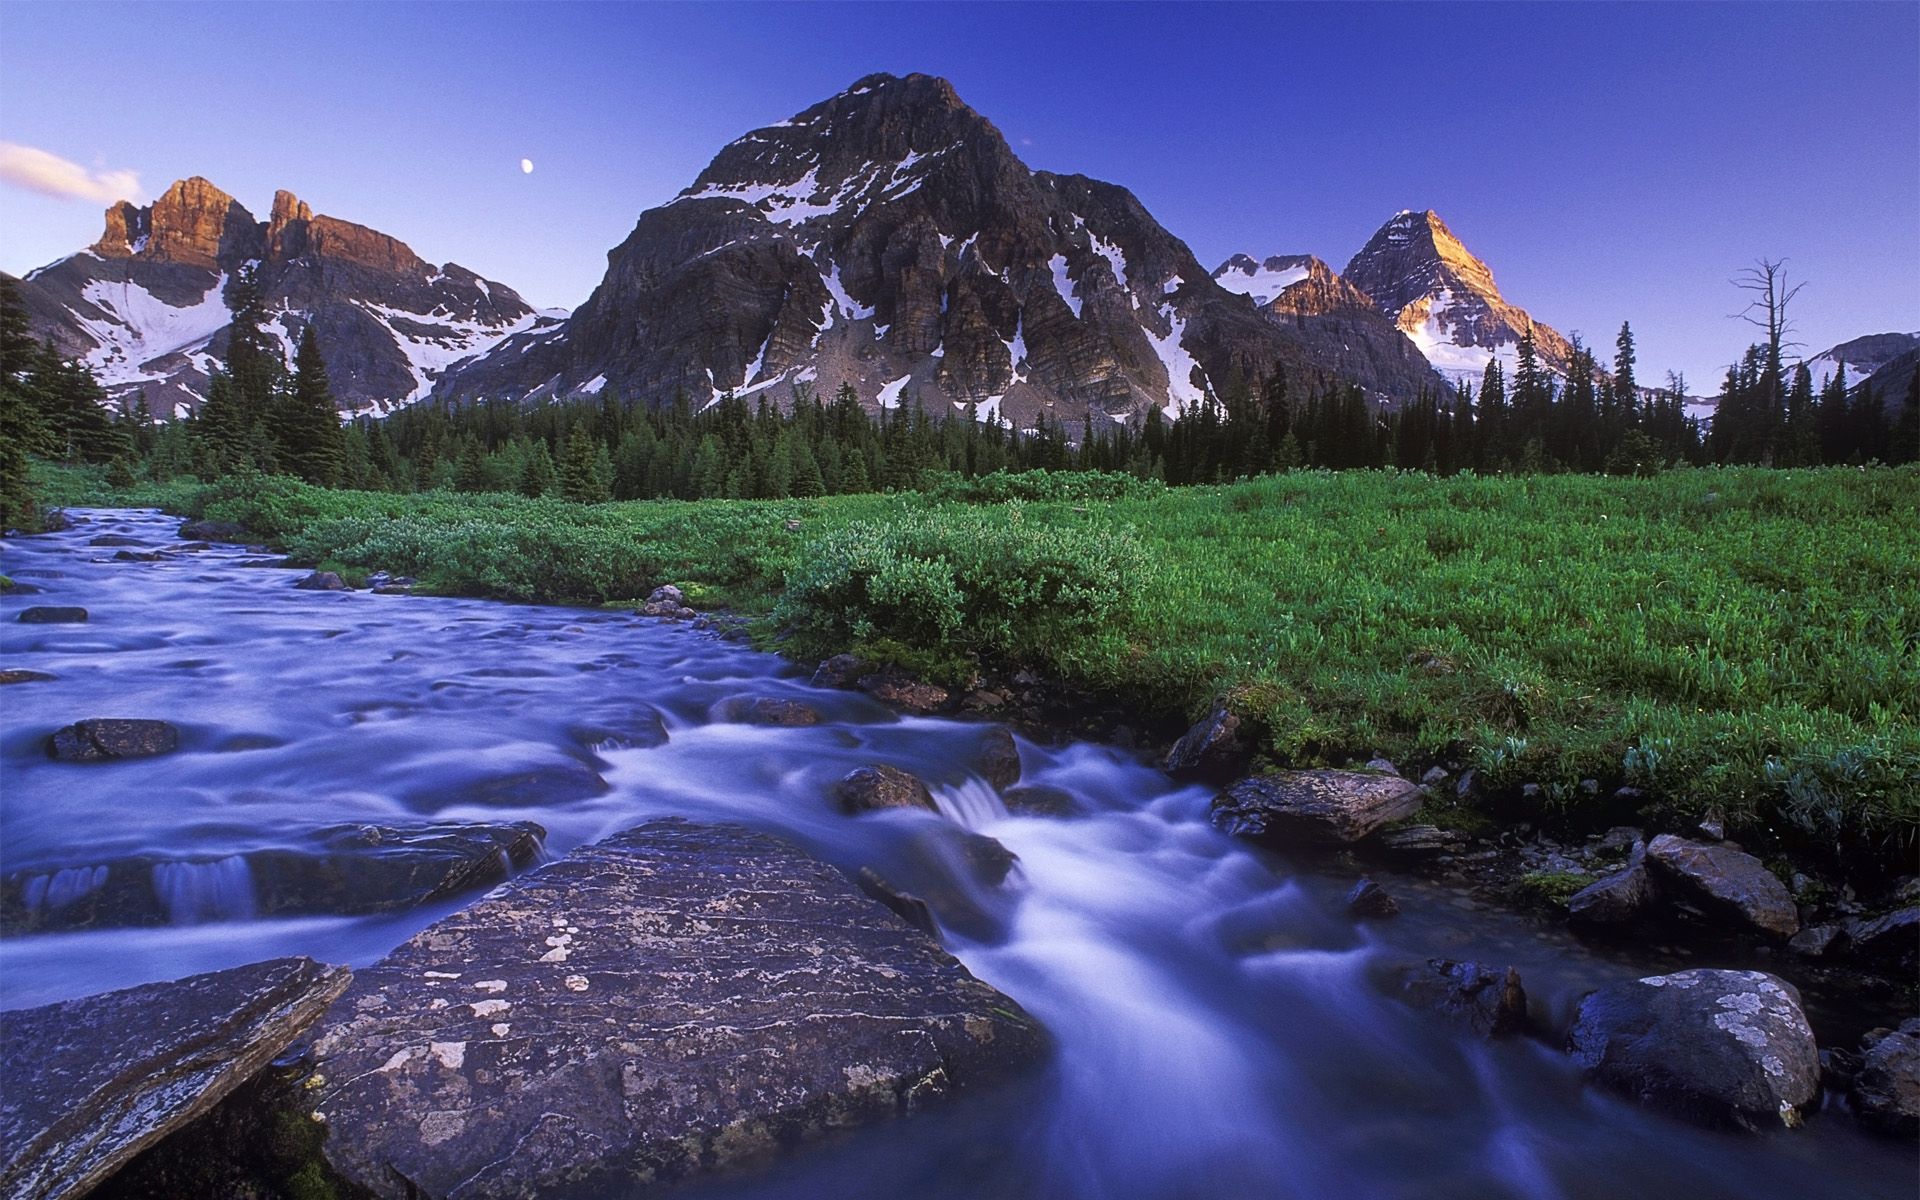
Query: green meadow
x=1739 y=638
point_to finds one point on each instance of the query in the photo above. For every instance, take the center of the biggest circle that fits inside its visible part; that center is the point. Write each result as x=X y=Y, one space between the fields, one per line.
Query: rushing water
x=1219 y=1028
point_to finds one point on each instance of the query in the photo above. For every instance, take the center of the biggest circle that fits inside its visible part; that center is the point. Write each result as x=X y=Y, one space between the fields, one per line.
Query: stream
x=1220 y=1030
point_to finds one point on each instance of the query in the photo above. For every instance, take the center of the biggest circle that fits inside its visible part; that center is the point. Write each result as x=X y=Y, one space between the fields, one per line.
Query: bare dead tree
x=1766 y=282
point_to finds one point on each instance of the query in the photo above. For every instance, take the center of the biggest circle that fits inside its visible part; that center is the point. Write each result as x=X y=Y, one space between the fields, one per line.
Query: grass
x=1745 y=639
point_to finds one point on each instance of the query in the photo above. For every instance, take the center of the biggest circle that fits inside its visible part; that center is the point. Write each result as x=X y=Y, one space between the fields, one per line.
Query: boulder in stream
x=323 y=581
x=1891 y=941
x=105 y=739
x=1211 y=747
x=92 y=1082
x=1369 y=899
x=1620 y=898
x=674 y=999
x=768 y=710
x=1886 y=1088
x=22 y=675
x=841 y=671
x=904 y=691
x=204 y=530
x=1727 y=881
x=53 y=614
x=1720 y=1047
x=1323 y=807
x=1487 y=1000
x=867 y=789
x=999 y=758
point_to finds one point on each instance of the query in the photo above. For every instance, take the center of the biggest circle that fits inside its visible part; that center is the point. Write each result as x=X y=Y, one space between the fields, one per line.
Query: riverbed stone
x=10 y=675
x=342 y=870
x=323 y=581
x=1891 y=941
x=1886 y=1087
x=674 y=999
x=1726 y=881
x=105 y=739
x=94 y=1081
x=999 y=758
x=1618 y=899
x=1211 y=747
x=1041 y=800
x=1323 y=807
x=878 y=786
x=1487 y=1000
x=1719 y=1047
x=53 y=614
x=204 y=530
x=1369 y=899
x=841 y=671
x=903 y=690
x=768 y=710
x=1416 y=842
x=638 y=728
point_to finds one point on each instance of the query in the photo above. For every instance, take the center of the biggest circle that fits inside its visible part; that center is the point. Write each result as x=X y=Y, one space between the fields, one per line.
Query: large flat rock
x=1288 y=808
x=90 y=1083
x=672 y=999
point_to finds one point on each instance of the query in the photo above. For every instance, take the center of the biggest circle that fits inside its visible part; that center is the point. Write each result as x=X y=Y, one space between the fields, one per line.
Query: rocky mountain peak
x=193 y=222
x=1423 y=277
x=287 y=226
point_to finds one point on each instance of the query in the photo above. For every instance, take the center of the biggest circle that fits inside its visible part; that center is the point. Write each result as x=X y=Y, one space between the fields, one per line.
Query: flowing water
x=1220 y=1030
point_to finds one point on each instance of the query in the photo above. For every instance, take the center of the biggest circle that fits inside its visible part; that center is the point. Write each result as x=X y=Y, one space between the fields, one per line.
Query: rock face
x=92 y=1082
x=670 y=1000
x=1323 y=807
x=344 y=870
x=1729 y=881
x=1722 y=1047
x=144 y=306
x=888 y=239
x=1423 y=280
x=103 y=739
x=1345 y=336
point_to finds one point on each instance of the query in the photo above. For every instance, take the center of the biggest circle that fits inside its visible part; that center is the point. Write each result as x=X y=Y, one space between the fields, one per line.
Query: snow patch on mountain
x=141 y=327
x=1263 y=281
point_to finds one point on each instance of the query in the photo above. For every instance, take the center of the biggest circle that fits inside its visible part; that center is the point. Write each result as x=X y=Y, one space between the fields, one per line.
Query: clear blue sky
x=1611 y=161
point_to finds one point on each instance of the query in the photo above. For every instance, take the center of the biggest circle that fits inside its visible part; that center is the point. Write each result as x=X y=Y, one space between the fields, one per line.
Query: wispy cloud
x=50 y=175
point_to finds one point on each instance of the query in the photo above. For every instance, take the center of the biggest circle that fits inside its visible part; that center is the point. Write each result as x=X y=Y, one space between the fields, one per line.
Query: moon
x=526 y=166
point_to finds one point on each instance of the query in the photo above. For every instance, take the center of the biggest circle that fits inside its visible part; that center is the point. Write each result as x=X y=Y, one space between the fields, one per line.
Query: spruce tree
x=307 y=430
x=537 y=477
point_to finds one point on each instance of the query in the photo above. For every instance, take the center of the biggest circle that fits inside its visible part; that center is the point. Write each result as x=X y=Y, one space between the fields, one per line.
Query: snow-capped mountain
x=145 y=308
x=1863 y=356
x=1348 y=338
x=1422 y=278
x=889 y=238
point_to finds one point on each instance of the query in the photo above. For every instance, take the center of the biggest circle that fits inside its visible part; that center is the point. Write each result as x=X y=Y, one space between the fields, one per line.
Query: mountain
x=1863 y=356
x=889 y=238
x=144 y=306
x=1423 y=279
x=1337 y=321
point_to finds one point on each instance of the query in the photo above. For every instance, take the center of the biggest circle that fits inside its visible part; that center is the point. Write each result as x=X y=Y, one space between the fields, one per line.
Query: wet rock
x=999 y=758
x=114 y=539
x=53 y=614
x=1326 y=807
x=1383 y=765
x=1816 y=941
x=768 y=710
x=674 y=999
x=666 y=601
x=530 y=787
x=343 y=870
x=1040 y=800
x=640 y=729
x=1720 y=1047
x=1369 y=899
x=1416 y=842
x=13 y=587
x=92 y=1082
x=103 y=739
x=1886 y=1088
x=841 y=671
x=22 y=675
x=908 y=907
x=1712 y=826
x=323 y=581
x=138 y=556
x=1434 y=777
x=904 y=691
x=1891 y=941
x=867 y=789
x=1211 y=747
x=215 y=531
x=56 y=520
x=1728 y=882
x=1487 y=1000
x=1617 y=899
x=987 y=860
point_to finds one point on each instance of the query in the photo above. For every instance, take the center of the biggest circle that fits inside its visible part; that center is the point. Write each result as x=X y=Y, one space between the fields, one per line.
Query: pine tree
x=306 y=431
x=537 y=477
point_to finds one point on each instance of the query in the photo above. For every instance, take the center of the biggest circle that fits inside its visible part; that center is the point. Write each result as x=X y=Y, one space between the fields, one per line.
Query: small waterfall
x=970 y=804
x=62 y=887
x=196 y=892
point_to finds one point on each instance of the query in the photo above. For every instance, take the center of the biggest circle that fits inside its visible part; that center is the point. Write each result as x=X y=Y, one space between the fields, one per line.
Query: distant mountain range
x=144 y=306
x=887 y=239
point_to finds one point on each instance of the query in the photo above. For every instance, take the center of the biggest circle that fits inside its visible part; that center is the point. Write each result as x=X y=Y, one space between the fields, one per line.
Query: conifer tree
x=307 y=429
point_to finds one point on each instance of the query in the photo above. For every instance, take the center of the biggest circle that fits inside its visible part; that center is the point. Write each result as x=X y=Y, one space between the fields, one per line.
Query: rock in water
x=101 y=739
x=673 y=999
x=1369 y=899
x=92 y=1082
x=999 y=758
x=1729 y=881
x=1213 y=744
x=1886 y=1088
x=768 y=710
x=1314 y=806
x=215 y=531
x=865 y=789
x=53 y=614
x=1721 y=1047
x=1487 y=1000
x=323 y=581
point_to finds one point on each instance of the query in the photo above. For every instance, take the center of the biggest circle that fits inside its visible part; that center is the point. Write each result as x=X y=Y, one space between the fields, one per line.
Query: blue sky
x=1611 y=161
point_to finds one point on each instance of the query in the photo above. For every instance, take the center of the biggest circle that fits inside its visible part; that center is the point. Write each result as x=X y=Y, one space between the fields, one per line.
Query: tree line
x=260 y=415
